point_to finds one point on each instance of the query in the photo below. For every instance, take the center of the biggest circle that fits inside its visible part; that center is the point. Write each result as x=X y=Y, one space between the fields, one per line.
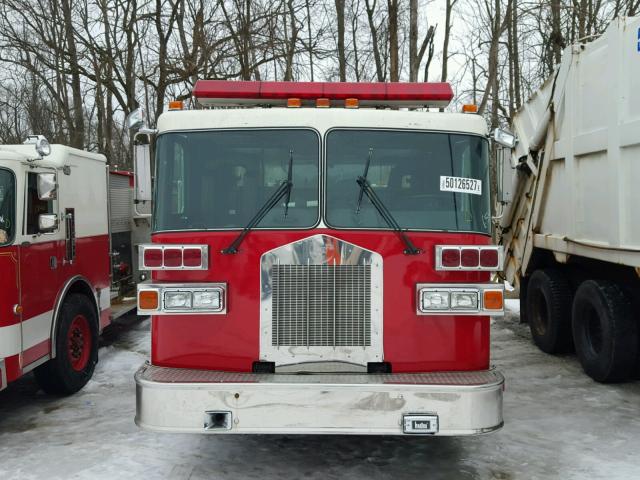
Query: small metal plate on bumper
x=420 y=424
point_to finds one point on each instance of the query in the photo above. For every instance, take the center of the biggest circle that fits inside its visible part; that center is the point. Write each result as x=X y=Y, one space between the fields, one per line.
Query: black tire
x=548 y=310
x=76 y=348
x=605 y=331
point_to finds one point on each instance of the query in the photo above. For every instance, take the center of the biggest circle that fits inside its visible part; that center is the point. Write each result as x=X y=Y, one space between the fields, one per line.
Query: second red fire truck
x=66 y=258
x=320 y=262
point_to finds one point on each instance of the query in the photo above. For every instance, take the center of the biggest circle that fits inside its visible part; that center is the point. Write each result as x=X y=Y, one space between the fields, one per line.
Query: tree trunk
x=414 y=66
x=445 y=42
x=310 y=44
x=394 y=54
x=342 y=60
x=77 y=133
x=557 y=42
x=380 y=71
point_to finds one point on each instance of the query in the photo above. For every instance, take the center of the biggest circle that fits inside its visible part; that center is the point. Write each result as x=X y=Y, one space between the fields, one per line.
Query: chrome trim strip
x=481 y=287
x=36 y=363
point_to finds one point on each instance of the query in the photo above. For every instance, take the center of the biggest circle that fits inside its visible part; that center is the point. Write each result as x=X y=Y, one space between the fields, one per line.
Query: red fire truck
x=65 y=262
x=320 y=263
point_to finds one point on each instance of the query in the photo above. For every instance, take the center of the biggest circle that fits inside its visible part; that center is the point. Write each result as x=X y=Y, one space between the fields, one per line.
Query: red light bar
x=243 y=93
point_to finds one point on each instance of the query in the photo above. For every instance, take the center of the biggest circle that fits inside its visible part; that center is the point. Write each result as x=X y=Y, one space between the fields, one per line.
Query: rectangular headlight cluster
x=158 y=299
x=456 y=299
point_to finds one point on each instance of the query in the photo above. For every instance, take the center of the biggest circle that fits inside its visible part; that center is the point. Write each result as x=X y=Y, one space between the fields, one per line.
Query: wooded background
x=73 y=69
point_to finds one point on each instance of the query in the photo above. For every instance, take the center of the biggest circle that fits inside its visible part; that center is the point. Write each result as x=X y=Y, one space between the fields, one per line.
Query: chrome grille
x=321 y=305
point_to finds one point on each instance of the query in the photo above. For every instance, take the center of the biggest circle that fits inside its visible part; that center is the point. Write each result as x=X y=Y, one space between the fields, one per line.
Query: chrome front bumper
x=181 y=400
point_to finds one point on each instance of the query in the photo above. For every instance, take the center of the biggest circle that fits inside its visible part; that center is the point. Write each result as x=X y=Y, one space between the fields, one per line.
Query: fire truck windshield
x=220 y=179
x=7 y=206
x=427 y=181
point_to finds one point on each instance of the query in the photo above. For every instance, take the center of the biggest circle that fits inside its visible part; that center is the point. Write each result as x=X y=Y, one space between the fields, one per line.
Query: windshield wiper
x=365 y=187
x=364 y=175
x=284 y=189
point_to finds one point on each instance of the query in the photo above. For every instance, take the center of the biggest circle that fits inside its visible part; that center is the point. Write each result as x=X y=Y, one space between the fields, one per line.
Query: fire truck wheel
x=605 y=332
x=76 y=349
x=548 y=310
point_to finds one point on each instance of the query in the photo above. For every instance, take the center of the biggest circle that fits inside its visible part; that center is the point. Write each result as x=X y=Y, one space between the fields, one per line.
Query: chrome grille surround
x=321 y=300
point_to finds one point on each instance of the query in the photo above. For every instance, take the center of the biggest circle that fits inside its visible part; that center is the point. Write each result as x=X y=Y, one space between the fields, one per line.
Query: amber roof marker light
x=351 y=103
x=176 y=105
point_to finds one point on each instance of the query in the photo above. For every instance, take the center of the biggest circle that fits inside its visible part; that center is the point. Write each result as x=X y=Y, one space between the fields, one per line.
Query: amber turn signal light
x=294 y=103
x=176 y=105
x=492 y=299
x=323 y=103
x=469 y=108
x=351 y=103
x=148 y=300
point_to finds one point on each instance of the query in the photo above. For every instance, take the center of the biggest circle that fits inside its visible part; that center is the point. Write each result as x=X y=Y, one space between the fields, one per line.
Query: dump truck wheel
x=548 y=310
x=605 y=332
x=76 y=349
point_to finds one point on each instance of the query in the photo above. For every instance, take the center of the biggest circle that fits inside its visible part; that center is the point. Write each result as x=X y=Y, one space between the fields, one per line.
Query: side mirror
x=142 y=163
x=47 y=186
x=504 y=138
x=136 y=119
x=47 y=222
x=505 y=173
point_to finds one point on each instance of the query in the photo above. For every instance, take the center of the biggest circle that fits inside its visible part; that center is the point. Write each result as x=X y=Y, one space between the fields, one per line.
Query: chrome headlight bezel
x=455 y=289
x=191 y=289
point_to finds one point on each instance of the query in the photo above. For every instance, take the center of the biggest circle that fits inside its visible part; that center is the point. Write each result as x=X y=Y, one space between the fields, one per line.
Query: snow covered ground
x=558 y=424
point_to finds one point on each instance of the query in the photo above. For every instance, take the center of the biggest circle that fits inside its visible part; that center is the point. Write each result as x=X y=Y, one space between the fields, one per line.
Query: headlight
x=459 y=299
x=464 y=300
x=208 y=299
x=177 y=300
x=182 y=298
x=435 y=300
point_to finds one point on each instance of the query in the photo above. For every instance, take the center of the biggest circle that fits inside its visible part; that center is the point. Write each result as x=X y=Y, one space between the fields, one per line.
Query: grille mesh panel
x=321 y=305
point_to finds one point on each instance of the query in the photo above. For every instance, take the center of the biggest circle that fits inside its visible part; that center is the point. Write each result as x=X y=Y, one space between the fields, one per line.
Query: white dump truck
x=569 y=205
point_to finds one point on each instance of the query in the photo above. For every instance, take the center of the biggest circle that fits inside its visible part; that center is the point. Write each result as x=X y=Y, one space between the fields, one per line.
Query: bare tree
x=416 y=55
x=380 y=71
x=394 y=47
x=342 y=61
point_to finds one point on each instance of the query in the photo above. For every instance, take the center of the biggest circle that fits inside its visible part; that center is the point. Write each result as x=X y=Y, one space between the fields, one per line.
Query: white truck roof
x=322 y=119
x=60 y=155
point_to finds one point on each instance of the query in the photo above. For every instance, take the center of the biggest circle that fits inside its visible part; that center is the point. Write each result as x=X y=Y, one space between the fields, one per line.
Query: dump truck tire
x=548 y=310
x=605 y=331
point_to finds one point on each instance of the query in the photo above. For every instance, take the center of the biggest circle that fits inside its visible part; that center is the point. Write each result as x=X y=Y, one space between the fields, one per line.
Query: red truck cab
x=320 y=270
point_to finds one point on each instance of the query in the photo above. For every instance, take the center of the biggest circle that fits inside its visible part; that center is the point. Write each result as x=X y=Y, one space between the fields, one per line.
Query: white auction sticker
x=461 y=185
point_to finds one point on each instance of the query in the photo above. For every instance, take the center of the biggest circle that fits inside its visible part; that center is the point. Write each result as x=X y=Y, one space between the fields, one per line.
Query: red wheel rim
x=79 y=343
